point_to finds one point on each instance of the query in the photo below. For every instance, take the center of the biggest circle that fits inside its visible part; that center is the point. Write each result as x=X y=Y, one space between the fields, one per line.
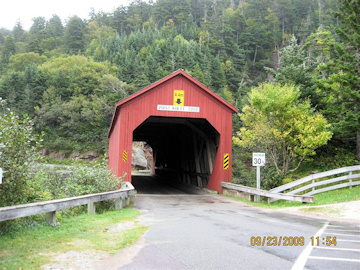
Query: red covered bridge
x=187 y=125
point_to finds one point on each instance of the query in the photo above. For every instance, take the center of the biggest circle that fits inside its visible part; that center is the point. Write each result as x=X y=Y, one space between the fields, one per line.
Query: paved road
x=207 y=231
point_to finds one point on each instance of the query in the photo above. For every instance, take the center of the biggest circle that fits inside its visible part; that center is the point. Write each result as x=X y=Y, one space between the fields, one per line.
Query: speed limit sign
x=258 y=159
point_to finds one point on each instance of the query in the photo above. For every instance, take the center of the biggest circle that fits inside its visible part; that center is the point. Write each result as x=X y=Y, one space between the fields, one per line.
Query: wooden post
x=350 y=180
x=188 y=168
x=91 y=208
x=197 y=162
x=127 y=200
x=208 y=151
x=313 y=182
x=257 y=197
x=118 y=203
x=51 y=217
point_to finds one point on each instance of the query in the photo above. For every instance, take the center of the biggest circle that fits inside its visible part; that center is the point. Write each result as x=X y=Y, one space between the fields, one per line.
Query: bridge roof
x=162 y=81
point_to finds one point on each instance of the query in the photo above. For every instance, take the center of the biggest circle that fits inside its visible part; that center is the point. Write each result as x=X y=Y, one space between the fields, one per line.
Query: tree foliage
x=75 y=35
x=336 y=81
x=286 y=129
x=86 y=66
x=295 y=67
x=19 y=146
x=78 y=102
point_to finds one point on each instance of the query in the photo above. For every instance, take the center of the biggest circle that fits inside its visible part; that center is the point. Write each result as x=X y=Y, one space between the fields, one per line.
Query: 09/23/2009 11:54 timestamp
x=291 y=241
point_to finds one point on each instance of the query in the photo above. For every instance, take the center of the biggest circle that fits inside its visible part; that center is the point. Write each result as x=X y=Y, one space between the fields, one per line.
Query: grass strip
x=30 y=248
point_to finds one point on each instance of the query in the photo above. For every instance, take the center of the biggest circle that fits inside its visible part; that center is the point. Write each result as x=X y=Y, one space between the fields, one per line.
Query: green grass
x=334 y=196
x=337 y=196
x=68 y=161
x=30 y=248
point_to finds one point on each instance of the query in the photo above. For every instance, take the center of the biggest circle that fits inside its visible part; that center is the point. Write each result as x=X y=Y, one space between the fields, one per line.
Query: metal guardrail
x=122 y=198
x=351 y=173
x=271 y=195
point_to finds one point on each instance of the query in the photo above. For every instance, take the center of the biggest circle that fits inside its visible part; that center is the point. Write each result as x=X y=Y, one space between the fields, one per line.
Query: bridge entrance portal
x=184 y=149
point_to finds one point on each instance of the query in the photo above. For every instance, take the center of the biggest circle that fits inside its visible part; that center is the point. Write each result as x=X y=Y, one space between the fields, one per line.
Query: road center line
x=304 y=255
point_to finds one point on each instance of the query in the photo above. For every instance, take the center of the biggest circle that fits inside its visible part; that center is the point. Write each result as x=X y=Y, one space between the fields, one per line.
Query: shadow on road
x=150 y=184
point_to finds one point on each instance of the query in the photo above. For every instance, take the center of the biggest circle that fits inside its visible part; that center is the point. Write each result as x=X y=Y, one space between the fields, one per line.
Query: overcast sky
x=25 y=10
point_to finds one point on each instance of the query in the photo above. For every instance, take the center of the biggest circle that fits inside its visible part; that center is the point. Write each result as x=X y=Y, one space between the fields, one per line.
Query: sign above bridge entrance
x=178 y=108
x=179 y=98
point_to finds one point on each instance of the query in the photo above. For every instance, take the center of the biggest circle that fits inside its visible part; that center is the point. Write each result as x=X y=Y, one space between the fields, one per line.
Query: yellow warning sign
x=179 y=97
x=226 y=161
x=125 y=156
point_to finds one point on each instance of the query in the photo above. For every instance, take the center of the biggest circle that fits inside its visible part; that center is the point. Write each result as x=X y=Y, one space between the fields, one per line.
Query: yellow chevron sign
x=125 y=156
x=226 y=161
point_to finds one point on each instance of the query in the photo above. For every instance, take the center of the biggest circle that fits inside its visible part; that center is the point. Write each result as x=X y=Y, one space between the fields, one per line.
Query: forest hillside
x=68 y=73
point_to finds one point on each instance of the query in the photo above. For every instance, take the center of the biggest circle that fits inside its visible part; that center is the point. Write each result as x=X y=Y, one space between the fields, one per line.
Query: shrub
x=18 y=150
x=68 y=181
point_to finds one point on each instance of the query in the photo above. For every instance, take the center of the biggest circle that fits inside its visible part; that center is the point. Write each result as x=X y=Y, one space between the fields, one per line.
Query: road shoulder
x=341 y=212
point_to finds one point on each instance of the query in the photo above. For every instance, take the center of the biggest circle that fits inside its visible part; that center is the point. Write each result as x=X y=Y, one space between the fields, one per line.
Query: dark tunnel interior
x=184 y=149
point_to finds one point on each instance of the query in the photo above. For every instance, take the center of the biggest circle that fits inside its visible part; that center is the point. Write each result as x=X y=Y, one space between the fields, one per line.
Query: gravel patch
x=84 y=260
x=75 y=260
x=346 y=211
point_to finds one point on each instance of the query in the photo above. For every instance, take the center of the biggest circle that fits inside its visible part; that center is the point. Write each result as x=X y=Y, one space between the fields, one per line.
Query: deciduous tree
x=276 y=122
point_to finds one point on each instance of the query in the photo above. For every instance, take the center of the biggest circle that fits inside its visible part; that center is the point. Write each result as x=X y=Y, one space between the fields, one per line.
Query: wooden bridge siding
x=114 y=151
x=137 y=110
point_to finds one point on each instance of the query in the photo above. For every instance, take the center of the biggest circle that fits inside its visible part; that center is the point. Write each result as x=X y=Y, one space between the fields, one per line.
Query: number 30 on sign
x=258 y=159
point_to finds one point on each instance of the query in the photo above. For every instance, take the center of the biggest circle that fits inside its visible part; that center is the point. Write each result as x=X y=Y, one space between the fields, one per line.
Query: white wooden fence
x=315 y=183
x=122 y=198
x=249 y=193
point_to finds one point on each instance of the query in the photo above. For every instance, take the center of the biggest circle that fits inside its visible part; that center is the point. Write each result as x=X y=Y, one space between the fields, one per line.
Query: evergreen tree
x=232 y=76
x=36 y=35
x=218 y=79
x=182 y=12
x=162 y=11
x=198 y=74
x=8 y=49
x=34 y=45
x=18 y=32
x=12 y=89
x=38 y=27
x=2 y=39
x=342 y=100
x=34 y=87
x=349 y=29
x=75 y=35
x=54 y=27
x=295 y=68
x=152 y=67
